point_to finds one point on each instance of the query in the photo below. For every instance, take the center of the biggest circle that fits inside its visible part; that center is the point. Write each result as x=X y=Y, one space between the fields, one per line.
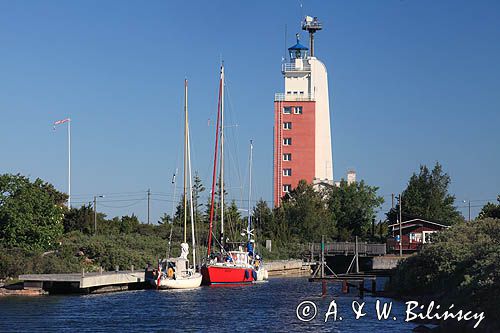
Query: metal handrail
x=349 y=248
x=290 y=67
x=280 y=97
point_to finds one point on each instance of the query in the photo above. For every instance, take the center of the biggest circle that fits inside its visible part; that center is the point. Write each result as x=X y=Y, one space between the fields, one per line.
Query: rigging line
x=162 y=195
x=124 y=200
x=162 y=200
x=123 y=196
x=123 y=206
x=232 y=117
x=107 y=193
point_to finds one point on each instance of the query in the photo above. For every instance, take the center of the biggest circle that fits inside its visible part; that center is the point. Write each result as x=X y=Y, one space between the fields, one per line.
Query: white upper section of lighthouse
x=306 y=79
x=323 y=141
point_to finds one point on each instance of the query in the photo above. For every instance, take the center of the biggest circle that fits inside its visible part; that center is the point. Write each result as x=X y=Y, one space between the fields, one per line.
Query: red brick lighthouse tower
x=302 y=139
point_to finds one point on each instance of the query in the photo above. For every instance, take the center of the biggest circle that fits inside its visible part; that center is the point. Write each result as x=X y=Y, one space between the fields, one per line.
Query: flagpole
x=69 y=164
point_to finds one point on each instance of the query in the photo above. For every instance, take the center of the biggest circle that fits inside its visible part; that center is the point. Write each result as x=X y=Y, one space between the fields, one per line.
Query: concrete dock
x=286 y=267
x=94 y=282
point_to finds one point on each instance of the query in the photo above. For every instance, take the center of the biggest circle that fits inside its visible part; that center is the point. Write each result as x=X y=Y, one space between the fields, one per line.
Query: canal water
x=263 y=307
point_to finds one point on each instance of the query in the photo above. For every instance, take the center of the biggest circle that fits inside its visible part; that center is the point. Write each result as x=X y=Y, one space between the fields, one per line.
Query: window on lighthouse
x=287 y=188
x=287 y=157
x=287 y=125
x=287 y=141
x=287 y=172
x=297 y=110
x=287 y=110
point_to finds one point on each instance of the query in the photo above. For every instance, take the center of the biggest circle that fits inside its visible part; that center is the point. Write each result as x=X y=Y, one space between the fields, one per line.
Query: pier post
x=356 y=253
x=361 y=287
x=100 y=270
x=312 y=252
x=322 y=256
x=132 y=268
x=323 y=288
x=345 y=287
x=83 y=272
x=117 y=268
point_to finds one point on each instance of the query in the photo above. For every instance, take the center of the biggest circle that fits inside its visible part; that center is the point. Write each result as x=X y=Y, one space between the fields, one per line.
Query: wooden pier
x=95 y=282
x=353 y=277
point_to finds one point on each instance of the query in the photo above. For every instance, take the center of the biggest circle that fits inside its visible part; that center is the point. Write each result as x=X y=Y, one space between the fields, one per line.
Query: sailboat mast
x=185 y=156
x=191 y=208
x=249 y=226
x=222 y=160
x=214 y=173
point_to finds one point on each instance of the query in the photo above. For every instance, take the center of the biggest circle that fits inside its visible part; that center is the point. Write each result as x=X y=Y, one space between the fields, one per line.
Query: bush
x=461 y=266
x=78 y=251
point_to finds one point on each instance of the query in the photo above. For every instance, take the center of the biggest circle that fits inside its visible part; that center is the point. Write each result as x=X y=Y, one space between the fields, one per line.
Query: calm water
x=265 y=307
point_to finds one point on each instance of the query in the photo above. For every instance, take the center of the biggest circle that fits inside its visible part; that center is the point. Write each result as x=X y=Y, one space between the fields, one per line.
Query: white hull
x=262 y=274
x=191 y=282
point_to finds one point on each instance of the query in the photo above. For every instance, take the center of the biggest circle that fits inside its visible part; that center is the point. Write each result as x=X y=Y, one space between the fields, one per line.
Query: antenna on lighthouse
x=311 y=24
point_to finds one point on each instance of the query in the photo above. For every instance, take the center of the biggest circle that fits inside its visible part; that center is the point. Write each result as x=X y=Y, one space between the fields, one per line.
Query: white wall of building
x=323 y=142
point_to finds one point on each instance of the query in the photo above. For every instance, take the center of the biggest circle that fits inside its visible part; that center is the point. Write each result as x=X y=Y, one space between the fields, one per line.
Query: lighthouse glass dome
x=298 y=51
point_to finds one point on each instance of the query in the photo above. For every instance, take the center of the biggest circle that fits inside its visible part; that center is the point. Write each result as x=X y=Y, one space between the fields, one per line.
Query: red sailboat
x=226 y=267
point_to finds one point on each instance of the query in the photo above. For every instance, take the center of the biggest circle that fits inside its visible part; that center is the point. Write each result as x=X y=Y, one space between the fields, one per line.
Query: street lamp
x=95 y=212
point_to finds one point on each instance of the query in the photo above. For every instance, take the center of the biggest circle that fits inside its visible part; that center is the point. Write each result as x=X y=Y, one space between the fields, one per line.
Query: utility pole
x=149 y=200
x=95 y=212
x=469 y=211
x=400 y=228
x=95 y=215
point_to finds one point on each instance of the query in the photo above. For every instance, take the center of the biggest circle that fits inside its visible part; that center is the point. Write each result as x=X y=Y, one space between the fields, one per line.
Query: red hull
x=226 y=275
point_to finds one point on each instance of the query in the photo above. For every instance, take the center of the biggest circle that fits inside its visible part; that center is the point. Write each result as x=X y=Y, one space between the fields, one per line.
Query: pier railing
x=349 y=248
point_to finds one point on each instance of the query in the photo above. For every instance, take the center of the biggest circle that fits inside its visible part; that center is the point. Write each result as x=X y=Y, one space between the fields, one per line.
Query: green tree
x=306 y=214
x=129 y=224
x=30 y=213
x=490 y=210
x=201 y=227
x=79 y=219
x=427 y=197
x=233 y=223
x=352 y=207
x=262 y=219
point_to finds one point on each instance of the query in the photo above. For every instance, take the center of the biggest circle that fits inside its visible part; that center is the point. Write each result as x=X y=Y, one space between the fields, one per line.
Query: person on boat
x=250 y=247
x=258 y=261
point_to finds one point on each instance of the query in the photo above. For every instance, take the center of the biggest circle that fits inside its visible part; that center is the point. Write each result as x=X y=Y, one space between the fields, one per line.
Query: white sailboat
x=176 y=273
x=261 y=272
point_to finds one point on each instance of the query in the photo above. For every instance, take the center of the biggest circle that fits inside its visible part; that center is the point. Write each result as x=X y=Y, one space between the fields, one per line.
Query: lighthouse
x=302 y=137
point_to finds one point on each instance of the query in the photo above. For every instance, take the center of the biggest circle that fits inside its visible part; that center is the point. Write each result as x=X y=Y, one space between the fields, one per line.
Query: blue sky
x=411 y=82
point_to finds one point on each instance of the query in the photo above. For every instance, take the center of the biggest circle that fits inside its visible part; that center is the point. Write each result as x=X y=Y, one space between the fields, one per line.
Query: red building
x=414 y=232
